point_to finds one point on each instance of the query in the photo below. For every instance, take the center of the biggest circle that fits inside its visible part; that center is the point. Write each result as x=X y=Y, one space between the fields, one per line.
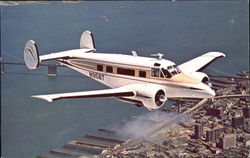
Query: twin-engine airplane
x=142 y=81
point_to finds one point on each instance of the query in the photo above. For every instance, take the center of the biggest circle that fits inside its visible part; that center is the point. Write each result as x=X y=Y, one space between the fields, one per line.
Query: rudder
x=31 y=55
x=87 y=40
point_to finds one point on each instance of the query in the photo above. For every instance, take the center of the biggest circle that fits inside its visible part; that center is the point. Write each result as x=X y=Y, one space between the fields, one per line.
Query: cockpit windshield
x=173 y=69
x=167 y=72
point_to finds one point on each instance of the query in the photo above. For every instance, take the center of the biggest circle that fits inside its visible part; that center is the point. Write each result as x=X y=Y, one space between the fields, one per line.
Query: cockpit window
x=165 y=72
x=177 y=68
x=173 y=69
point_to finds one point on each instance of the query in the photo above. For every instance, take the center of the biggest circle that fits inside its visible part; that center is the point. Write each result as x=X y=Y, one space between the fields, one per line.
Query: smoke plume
x=145 y=123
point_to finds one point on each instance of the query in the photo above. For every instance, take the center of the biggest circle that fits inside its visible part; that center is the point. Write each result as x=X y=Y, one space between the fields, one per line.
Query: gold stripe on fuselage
x=92 y=65
x=184 y=78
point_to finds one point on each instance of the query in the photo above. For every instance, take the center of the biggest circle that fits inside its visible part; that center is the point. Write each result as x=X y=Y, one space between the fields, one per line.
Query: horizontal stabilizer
x=64 y=54
x=201 y=62
x=117 y=92
x=32 y=58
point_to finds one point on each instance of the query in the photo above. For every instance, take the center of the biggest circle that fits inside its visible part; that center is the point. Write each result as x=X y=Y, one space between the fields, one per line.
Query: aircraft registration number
x=96 y=75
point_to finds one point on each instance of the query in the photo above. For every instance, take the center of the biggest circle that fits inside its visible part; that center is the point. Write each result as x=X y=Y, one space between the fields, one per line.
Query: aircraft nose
x=210 y=92
x=207 y=91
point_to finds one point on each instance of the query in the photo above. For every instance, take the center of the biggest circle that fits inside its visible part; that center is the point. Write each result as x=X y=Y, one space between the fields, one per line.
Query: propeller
x=160 y=98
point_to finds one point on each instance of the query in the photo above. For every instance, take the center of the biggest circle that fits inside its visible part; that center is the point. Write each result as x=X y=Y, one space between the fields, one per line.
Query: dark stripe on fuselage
x=170 y=85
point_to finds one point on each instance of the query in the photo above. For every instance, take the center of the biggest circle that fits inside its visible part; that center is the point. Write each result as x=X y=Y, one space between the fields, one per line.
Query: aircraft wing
x=201 y=62
x=116 y=92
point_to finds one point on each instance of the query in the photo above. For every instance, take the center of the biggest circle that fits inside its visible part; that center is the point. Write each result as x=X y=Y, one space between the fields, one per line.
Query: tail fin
x=31 y=55
x=87 y=40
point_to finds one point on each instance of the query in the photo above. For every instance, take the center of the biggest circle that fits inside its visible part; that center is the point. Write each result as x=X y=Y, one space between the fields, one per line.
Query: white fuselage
x=178 y=85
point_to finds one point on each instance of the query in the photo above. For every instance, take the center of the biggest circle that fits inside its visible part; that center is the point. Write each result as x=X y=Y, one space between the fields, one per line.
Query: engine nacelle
x=149 y=95
x=201 y=77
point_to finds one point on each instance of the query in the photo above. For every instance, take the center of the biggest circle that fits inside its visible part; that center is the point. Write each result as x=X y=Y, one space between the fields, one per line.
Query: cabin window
x=155 y=72
x=99 y=68
x=123 y=71
x=142 y=74
x=109 y=69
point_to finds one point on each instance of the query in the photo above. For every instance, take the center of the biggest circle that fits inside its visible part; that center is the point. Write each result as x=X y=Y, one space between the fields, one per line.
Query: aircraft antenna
x=134 y=53
x=159 y=55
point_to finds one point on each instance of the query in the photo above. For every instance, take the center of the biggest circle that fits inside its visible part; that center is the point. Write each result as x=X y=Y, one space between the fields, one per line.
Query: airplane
x=143 y=81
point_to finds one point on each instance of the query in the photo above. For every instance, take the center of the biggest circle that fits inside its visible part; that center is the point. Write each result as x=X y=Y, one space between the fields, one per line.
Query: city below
x=194 y=128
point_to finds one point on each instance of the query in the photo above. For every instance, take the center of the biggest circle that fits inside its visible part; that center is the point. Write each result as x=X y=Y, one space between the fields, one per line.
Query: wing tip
x=44 y=97
x=215 y=54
